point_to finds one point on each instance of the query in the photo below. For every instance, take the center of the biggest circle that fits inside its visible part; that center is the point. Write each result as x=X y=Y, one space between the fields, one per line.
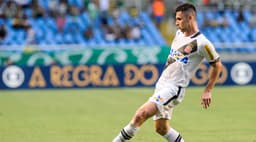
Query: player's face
x=182 y=21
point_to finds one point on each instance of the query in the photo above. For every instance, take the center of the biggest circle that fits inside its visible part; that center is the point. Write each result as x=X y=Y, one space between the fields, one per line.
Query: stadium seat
x=47 y=32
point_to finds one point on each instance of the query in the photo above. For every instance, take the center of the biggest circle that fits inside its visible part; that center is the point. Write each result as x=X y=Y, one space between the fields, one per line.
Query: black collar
x=195 y=35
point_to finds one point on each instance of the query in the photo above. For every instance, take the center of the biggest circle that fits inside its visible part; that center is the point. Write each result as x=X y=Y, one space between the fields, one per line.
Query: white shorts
x=166 y=98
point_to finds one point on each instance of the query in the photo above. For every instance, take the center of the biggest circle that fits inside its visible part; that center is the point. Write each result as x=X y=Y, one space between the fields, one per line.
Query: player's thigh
x=165 y=99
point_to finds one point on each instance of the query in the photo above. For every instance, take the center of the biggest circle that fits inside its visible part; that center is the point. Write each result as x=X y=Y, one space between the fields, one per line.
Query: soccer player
x=188 y=50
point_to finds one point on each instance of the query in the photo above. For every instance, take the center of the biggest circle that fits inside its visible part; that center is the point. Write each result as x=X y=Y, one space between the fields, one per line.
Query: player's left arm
x=206 y=96
x=210 y=54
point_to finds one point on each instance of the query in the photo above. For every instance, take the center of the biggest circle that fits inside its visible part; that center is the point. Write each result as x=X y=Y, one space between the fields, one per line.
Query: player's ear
x=190 y=16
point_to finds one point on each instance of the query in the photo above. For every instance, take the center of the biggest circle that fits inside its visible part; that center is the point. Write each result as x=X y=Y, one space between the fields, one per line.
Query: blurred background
x=38 y=34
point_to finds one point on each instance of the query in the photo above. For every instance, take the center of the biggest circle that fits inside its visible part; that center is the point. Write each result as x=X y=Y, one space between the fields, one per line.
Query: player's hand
x=206 y=99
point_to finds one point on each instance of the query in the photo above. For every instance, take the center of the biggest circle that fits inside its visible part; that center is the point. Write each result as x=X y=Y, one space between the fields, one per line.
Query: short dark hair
x=185 y=7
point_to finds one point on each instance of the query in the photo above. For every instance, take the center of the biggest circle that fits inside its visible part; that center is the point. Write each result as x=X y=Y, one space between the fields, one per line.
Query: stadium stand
x=230 y=32
x=69 y=29
x=73 y=23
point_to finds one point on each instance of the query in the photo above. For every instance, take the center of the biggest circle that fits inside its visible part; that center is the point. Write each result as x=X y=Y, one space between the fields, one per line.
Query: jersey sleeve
x=208 y=51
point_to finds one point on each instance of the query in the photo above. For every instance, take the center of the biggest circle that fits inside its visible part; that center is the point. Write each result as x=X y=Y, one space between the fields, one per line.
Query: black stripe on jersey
x=169 y=61
x=174 y=97
x=195 y=35
x=178 y=138
x=213 y=62
x=125 y=135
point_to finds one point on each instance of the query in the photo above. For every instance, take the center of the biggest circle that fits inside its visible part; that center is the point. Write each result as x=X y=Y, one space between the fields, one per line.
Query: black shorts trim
x=174 y=97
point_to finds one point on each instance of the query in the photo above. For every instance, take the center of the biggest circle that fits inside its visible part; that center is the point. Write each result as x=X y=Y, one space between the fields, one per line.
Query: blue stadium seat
x=68 y=39
x=78 y=3
x=47 y=32
x=147 y=38
x=253 y=35
x=43 y=3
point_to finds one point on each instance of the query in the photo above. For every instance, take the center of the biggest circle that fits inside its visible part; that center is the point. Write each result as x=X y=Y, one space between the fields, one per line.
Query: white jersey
x=185 y=56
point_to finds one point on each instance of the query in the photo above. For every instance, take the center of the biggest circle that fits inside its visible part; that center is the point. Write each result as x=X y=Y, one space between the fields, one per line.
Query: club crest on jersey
x=189 y=48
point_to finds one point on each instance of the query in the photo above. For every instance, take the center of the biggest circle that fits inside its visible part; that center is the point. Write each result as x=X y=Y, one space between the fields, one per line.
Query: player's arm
x=208 y=51
x=206 y=97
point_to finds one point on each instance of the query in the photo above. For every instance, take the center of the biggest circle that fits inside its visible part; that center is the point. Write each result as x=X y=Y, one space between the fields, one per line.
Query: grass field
x=97 y=115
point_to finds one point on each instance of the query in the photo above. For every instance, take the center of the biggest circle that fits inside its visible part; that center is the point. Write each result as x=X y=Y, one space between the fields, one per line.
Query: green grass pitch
x=97 y=115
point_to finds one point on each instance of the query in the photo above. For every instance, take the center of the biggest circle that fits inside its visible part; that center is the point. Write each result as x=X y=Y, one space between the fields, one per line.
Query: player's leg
x=165 y=100
x=163 y=128
x=146 y=111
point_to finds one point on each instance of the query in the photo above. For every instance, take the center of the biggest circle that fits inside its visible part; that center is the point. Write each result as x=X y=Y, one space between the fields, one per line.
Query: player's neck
x=191 y=31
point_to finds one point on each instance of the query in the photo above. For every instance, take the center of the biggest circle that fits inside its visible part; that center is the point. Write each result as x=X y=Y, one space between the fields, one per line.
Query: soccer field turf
x=97 y=115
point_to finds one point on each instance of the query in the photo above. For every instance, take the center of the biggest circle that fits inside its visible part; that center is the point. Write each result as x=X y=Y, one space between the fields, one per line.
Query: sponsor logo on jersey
x=178 y=56
x=159 y=98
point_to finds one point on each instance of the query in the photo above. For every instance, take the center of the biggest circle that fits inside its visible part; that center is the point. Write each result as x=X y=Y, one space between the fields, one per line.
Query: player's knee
x=161 y=130
x=140 y=116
